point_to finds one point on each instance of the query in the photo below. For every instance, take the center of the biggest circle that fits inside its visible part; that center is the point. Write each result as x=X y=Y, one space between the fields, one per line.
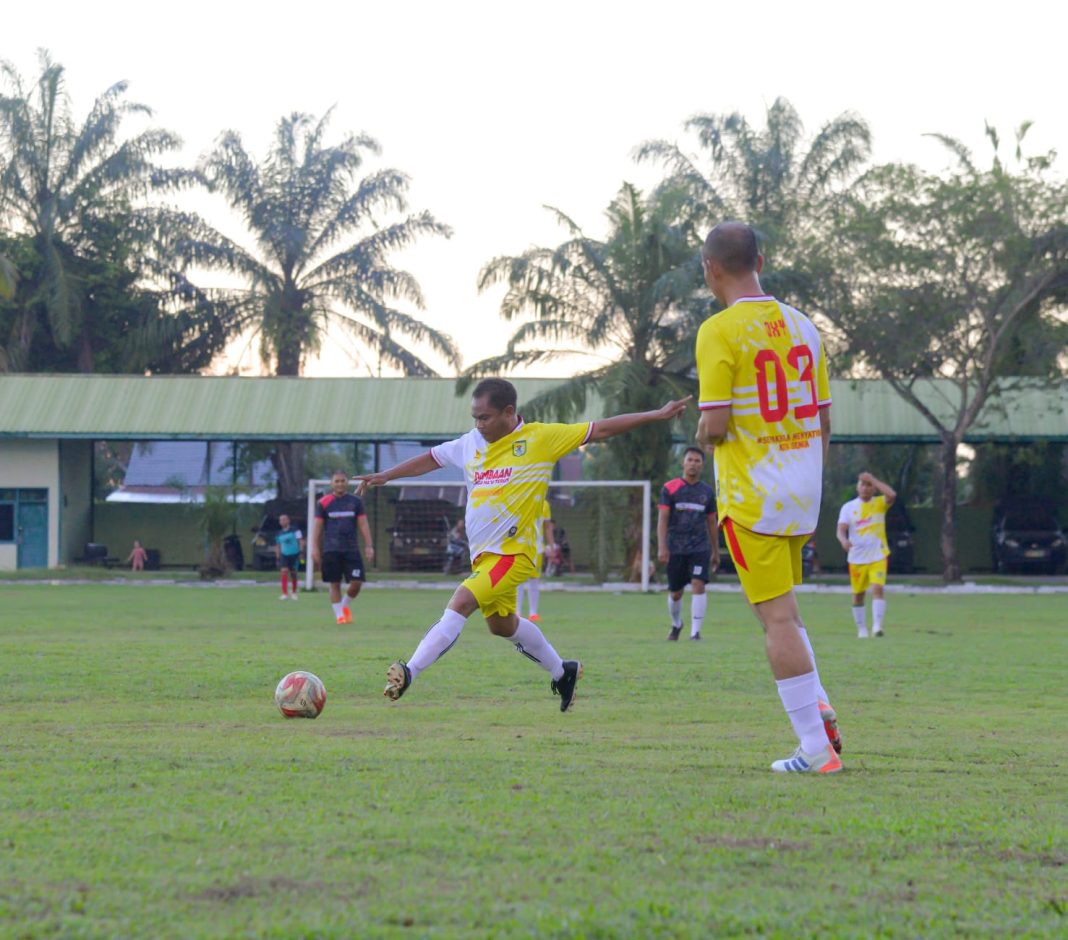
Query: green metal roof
x=232 y=408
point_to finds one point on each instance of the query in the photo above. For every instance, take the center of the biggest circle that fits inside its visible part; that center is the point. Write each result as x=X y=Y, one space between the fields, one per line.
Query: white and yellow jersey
x=507 y=482
x=765 y=360
x=867 y=529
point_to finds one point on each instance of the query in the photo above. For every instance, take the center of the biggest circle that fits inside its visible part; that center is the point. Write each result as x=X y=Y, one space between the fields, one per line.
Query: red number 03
x=801 y=360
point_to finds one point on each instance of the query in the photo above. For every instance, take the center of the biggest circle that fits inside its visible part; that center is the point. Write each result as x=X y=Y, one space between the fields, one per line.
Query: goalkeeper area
x=602 y=529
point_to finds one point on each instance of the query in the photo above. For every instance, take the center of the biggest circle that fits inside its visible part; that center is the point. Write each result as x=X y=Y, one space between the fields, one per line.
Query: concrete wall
x=32 y=464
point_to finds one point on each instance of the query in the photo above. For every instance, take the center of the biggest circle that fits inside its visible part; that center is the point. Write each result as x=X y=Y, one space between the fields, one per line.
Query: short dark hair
x=733 y=246
x=337 y=471
x=499 y=393
x=696 y=450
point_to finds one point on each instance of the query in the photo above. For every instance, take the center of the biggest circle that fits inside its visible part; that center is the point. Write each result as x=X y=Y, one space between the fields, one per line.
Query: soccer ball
x=300 y=695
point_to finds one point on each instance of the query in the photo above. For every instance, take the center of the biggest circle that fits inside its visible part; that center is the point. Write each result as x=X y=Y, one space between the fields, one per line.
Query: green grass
x=148 y=787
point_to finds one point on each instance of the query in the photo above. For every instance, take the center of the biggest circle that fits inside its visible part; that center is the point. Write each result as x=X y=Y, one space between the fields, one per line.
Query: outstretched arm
x=413 y=467
x=620 y=424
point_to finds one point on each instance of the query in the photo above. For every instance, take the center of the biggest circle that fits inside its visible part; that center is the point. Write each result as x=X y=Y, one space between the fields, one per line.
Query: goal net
x=602 y=529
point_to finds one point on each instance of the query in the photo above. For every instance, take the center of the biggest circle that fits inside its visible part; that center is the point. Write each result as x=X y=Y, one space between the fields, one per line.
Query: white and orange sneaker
x=825 y=762
x=830 y=725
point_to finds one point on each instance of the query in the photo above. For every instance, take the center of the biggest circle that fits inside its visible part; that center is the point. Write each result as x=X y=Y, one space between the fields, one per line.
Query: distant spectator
x=137 y=557
x=288 y=545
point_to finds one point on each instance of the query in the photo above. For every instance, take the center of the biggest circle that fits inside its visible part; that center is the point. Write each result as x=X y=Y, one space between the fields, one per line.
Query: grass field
x=148 y=787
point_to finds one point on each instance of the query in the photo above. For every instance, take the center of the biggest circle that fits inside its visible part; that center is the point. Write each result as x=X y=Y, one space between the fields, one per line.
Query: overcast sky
x=495 y=108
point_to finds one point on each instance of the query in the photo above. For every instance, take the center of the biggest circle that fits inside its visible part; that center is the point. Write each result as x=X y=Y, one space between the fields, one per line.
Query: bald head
x=733 y=246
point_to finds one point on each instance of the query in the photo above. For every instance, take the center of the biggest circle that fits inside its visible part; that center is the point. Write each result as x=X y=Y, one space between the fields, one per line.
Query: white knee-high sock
x=799 y=698
x=860 y=621
x=698 y=605
x=533 y=593
x=437 y=641
x=878 y=611
x=819 y=685
x=675 y=611
x=531 y=642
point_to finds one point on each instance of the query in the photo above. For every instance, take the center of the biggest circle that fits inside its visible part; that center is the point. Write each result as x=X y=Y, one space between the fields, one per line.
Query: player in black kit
x=688 y=540
x=337 y=517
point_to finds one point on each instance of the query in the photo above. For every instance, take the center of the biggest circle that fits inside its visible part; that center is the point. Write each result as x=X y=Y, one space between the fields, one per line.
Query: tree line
x=911 y=275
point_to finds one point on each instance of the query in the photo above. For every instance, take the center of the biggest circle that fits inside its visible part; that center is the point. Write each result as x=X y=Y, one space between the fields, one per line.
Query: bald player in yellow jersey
x=765 y=410
x=507 y=463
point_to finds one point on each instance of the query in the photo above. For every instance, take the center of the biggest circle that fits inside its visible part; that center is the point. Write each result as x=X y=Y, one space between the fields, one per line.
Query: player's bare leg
x=798 y=683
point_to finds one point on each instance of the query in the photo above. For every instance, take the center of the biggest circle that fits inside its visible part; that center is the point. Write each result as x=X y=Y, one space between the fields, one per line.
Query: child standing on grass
x=137 y=557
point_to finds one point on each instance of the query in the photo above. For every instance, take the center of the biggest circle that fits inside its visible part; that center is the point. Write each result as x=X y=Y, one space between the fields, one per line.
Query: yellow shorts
x=494 y=579
x=768 y=565
x=861 y=577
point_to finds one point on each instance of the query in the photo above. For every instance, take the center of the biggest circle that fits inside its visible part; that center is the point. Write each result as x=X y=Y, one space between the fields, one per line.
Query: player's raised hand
x=674 y=408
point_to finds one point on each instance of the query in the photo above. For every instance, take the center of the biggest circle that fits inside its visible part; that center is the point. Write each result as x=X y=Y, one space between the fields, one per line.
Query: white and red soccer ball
x=300 y=695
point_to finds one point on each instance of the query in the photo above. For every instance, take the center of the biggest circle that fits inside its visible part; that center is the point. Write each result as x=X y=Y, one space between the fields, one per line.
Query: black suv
x=900 y=540
x=1025 y=536
x=420 y=534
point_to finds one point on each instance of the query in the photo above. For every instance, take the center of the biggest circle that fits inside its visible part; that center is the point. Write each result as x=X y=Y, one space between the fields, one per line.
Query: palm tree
x=772 y=178
x=627 y=304
x=73 y=198
x=321 y=258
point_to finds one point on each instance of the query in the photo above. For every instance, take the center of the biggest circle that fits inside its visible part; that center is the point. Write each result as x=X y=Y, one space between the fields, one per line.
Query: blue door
x=32 y=529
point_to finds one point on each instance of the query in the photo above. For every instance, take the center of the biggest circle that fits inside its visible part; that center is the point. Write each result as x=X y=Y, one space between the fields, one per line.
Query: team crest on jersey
x=519 y=448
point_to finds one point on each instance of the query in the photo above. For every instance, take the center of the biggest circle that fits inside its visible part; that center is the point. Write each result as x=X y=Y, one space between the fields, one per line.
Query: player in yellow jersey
x=862 y=534
x=507 y=463
x=765 y=409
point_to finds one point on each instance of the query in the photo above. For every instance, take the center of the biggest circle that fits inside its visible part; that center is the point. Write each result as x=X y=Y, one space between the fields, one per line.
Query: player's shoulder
x=673 y=486
x=327 y=500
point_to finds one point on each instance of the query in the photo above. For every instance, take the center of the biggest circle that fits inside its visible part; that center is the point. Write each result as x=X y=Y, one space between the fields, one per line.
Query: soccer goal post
x=603 y=529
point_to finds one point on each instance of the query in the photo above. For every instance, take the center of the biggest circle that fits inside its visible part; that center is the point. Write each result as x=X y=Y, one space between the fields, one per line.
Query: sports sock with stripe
x=531 y=642
x=437 y=641
x=799 y=696
x=698 y=605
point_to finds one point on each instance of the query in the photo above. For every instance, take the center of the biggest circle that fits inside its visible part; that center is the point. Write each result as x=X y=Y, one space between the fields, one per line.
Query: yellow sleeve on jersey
x=560 y=439
x=716 y=364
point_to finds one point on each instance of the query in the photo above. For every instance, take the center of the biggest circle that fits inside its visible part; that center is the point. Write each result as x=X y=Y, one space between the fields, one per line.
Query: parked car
x=900 y=540
x=263 y=534
x=419 y=539
x=1025 y=536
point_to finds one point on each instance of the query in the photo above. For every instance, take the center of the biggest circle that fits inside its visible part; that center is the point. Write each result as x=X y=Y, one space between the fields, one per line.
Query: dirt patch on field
x=259 y=887
x=730 y=842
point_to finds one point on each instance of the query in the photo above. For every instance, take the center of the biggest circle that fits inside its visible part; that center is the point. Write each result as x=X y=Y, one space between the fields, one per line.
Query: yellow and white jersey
x=867 y=529
x=507 y=482
x=765 y=361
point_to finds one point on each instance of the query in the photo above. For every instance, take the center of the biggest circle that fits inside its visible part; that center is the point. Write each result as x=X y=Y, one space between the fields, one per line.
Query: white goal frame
x=645 y=485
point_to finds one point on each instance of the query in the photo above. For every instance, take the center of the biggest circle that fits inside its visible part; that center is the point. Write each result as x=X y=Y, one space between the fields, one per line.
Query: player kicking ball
x=507 y=463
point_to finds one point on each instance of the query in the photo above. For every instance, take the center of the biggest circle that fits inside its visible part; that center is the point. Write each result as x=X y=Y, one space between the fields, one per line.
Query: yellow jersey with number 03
x=765 y=361
x=507 y=482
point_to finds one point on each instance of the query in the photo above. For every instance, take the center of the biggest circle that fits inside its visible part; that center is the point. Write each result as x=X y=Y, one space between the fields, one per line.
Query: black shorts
x=684 y=568
x=292 y=562
x=338 y=566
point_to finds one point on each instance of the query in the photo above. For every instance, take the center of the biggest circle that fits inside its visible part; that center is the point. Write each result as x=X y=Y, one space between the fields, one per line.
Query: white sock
x=878 y=610
x=698 y=604
x=858 y=619
x=346 y=601
x=531 y=642
x=337 y=609
x=821 y=691
x=675 y=612
x=519 y=598
x=799 y=696
x=534 y=591
x=437 y=641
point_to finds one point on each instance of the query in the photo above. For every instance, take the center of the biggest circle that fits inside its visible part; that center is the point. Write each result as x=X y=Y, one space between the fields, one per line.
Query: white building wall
x=31 y=464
